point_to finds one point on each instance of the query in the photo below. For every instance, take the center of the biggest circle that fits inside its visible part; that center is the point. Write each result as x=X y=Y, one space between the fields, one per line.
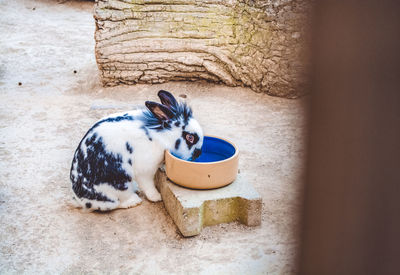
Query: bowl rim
x=211 y=162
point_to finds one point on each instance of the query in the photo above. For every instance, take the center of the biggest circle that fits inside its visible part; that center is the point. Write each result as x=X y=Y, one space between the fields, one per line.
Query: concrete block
x=192 y=210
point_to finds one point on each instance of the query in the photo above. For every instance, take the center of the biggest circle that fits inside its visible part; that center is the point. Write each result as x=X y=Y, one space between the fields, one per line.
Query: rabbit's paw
x=153 y=195
x=131 y=202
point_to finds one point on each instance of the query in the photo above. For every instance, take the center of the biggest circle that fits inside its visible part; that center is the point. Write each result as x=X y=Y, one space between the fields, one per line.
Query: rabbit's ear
x=167 y=99
x=159 y=111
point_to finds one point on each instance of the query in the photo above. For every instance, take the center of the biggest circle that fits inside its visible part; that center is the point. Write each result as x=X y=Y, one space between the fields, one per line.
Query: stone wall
x=254 y=43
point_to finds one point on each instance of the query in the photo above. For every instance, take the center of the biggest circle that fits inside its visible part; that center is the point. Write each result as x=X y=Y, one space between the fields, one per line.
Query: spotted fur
x=121 y=153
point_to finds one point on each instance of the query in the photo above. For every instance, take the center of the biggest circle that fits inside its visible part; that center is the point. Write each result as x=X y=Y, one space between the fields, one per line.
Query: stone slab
x=191 y=210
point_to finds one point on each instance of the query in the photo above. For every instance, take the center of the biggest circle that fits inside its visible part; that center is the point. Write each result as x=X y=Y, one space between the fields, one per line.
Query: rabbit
x=123 y=151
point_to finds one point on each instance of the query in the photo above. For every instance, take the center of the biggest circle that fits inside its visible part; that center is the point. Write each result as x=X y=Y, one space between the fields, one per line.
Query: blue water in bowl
x=215 y=149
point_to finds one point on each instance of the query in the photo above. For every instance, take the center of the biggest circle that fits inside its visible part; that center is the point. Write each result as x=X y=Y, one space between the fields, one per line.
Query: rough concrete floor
x=43 y=119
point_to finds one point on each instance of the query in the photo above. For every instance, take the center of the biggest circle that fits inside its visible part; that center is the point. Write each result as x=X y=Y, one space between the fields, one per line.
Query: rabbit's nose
x=196 y=154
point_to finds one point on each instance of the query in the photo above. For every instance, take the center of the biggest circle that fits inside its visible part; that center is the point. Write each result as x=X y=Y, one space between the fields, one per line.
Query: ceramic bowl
x=217 y=165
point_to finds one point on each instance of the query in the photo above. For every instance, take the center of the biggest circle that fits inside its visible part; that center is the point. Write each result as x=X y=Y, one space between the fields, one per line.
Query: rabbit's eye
x=190 y=138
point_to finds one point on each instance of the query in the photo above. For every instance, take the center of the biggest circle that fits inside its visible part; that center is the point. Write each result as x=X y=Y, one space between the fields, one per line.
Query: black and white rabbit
x=127 y=148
